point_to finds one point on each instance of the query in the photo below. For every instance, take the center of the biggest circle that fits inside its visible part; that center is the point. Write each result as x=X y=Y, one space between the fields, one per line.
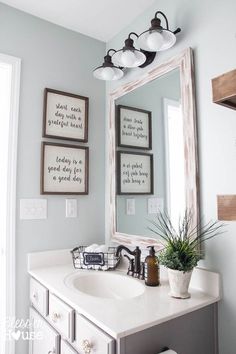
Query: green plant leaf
x=182 y=247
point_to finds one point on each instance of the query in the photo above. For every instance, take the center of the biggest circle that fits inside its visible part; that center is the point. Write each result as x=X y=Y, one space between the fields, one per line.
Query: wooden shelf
x=226 y=207
x=224 y=89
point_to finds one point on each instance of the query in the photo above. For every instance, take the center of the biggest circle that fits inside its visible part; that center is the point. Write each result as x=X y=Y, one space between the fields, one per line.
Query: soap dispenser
x=151 y=267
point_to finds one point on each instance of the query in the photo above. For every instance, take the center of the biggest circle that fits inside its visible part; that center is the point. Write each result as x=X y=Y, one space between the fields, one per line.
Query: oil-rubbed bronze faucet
x=135 y=265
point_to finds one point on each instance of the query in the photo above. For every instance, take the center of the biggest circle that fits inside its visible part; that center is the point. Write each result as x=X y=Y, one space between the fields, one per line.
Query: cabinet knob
x=35 y=296
x=52 y=351
x=55 y=316
x=87 y=346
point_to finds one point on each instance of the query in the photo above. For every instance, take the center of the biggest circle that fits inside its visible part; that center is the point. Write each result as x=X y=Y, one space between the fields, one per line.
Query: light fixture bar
x=156 y=38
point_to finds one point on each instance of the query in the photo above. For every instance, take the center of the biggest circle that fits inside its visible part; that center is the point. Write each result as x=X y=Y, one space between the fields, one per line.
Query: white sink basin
x=106 y=285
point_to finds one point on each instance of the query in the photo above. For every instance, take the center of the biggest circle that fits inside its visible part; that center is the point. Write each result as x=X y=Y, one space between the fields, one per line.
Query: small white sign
x=135 y=173
x=64 y=169
x=135 y=127
x=65 y=115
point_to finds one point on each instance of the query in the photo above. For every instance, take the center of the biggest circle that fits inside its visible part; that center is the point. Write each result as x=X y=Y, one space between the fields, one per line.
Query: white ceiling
x=101 y=19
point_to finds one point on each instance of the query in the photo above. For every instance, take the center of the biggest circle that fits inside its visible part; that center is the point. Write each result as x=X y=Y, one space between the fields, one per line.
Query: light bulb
x=155 y=41
x=128 y=58
x=108 y=73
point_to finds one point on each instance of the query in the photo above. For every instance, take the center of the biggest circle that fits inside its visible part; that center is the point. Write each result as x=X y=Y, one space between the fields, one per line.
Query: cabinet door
x=66 y=348
x=90 y=339
x=44 y=339
x=61 y=316
x=39 y=297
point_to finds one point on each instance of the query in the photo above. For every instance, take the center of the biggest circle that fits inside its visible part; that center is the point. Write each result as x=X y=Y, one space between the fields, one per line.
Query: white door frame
x=15 y=64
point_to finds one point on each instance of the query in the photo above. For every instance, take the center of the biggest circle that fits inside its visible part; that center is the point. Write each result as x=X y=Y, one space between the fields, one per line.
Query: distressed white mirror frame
x=183 y=62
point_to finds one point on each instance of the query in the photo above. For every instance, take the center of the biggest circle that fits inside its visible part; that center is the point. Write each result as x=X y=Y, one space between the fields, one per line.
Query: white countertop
x=120 y=318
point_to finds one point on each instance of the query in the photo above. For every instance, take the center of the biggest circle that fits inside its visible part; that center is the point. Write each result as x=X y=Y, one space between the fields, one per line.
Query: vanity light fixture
x=108 y=71
x=129 y=56
x=157 y=38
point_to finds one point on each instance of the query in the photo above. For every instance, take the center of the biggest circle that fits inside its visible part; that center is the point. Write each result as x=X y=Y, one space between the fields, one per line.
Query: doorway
x=9 y=107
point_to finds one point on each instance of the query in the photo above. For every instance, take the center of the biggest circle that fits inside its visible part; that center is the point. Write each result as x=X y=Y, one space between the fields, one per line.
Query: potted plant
x=182 y=249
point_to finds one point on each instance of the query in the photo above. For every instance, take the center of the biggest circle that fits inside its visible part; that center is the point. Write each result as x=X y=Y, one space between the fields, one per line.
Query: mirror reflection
x=150 y=154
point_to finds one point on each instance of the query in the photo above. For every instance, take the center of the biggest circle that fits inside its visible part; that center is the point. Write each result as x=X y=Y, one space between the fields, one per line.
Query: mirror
x=153 y=150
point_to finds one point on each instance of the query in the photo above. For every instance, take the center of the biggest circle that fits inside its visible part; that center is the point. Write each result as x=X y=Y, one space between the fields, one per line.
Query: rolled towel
x=102 y=248
x=91 y=248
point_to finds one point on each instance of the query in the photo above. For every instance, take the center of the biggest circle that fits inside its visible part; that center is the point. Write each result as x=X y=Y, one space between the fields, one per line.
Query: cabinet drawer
x=46 y=339
x=62 y=317
x=66 y=348
x=39 y=296
x=87 y=336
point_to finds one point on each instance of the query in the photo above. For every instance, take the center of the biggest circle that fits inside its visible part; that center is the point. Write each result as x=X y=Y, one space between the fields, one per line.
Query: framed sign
x=134 y=128
x=65 y=116
x=64 y=169
x=134 y=173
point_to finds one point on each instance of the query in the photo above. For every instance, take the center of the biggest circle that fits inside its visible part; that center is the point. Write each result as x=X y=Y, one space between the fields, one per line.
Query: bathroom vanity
x=75 y=311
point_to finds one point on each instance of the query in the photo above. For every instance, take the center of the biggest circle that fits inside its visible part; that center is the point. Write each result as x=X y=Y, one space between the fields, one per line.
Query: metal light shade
x=128 y=56
x=157 y=38
x=108 y=71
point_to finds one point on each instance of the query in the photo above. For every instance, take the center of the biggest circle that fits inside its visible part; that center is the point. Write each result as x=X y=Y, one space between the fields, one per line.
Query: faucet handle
x=131 y=265
x=142 y=271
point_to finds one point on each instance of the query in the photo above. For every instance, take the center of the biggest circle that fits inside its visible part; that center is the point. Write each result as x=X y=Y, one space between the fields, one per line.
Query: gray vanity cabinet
x=194 y=333
x=64 y=331
x=57 y=329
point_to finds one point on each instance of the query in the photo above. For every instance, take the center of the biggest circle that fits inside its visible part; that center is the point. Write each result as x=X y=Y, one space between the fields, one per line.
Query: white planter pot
x=179 y=283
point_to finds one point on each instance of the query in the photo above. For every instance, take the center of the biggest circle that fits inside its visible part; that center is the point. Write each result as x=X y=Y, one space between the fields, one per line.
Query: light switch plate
x=130 y=206
x=155 y=205
x=71 y=208
x=32 y=209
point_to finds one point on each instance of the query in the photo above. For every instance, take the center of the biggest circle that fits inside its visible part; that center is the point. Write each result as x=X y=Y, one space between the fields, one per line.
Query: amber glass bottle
x=152 y=270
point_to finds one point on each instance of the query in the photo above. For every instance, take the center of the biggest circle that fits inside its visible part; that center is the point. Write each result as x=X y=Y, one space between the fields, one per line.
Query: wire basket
x=95 y=260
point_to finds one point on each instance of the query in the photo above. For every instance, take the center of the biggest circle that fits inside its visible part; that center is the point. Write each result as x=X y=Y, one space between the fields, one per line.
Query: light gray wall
x=209 y=28
x=61 y=59
x=149 y=97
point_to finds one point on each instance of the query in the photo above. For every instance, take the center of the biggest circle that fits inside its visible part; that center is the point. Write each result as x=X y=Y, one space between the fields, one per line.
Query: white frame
x=11 y=191
x=183 y=62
